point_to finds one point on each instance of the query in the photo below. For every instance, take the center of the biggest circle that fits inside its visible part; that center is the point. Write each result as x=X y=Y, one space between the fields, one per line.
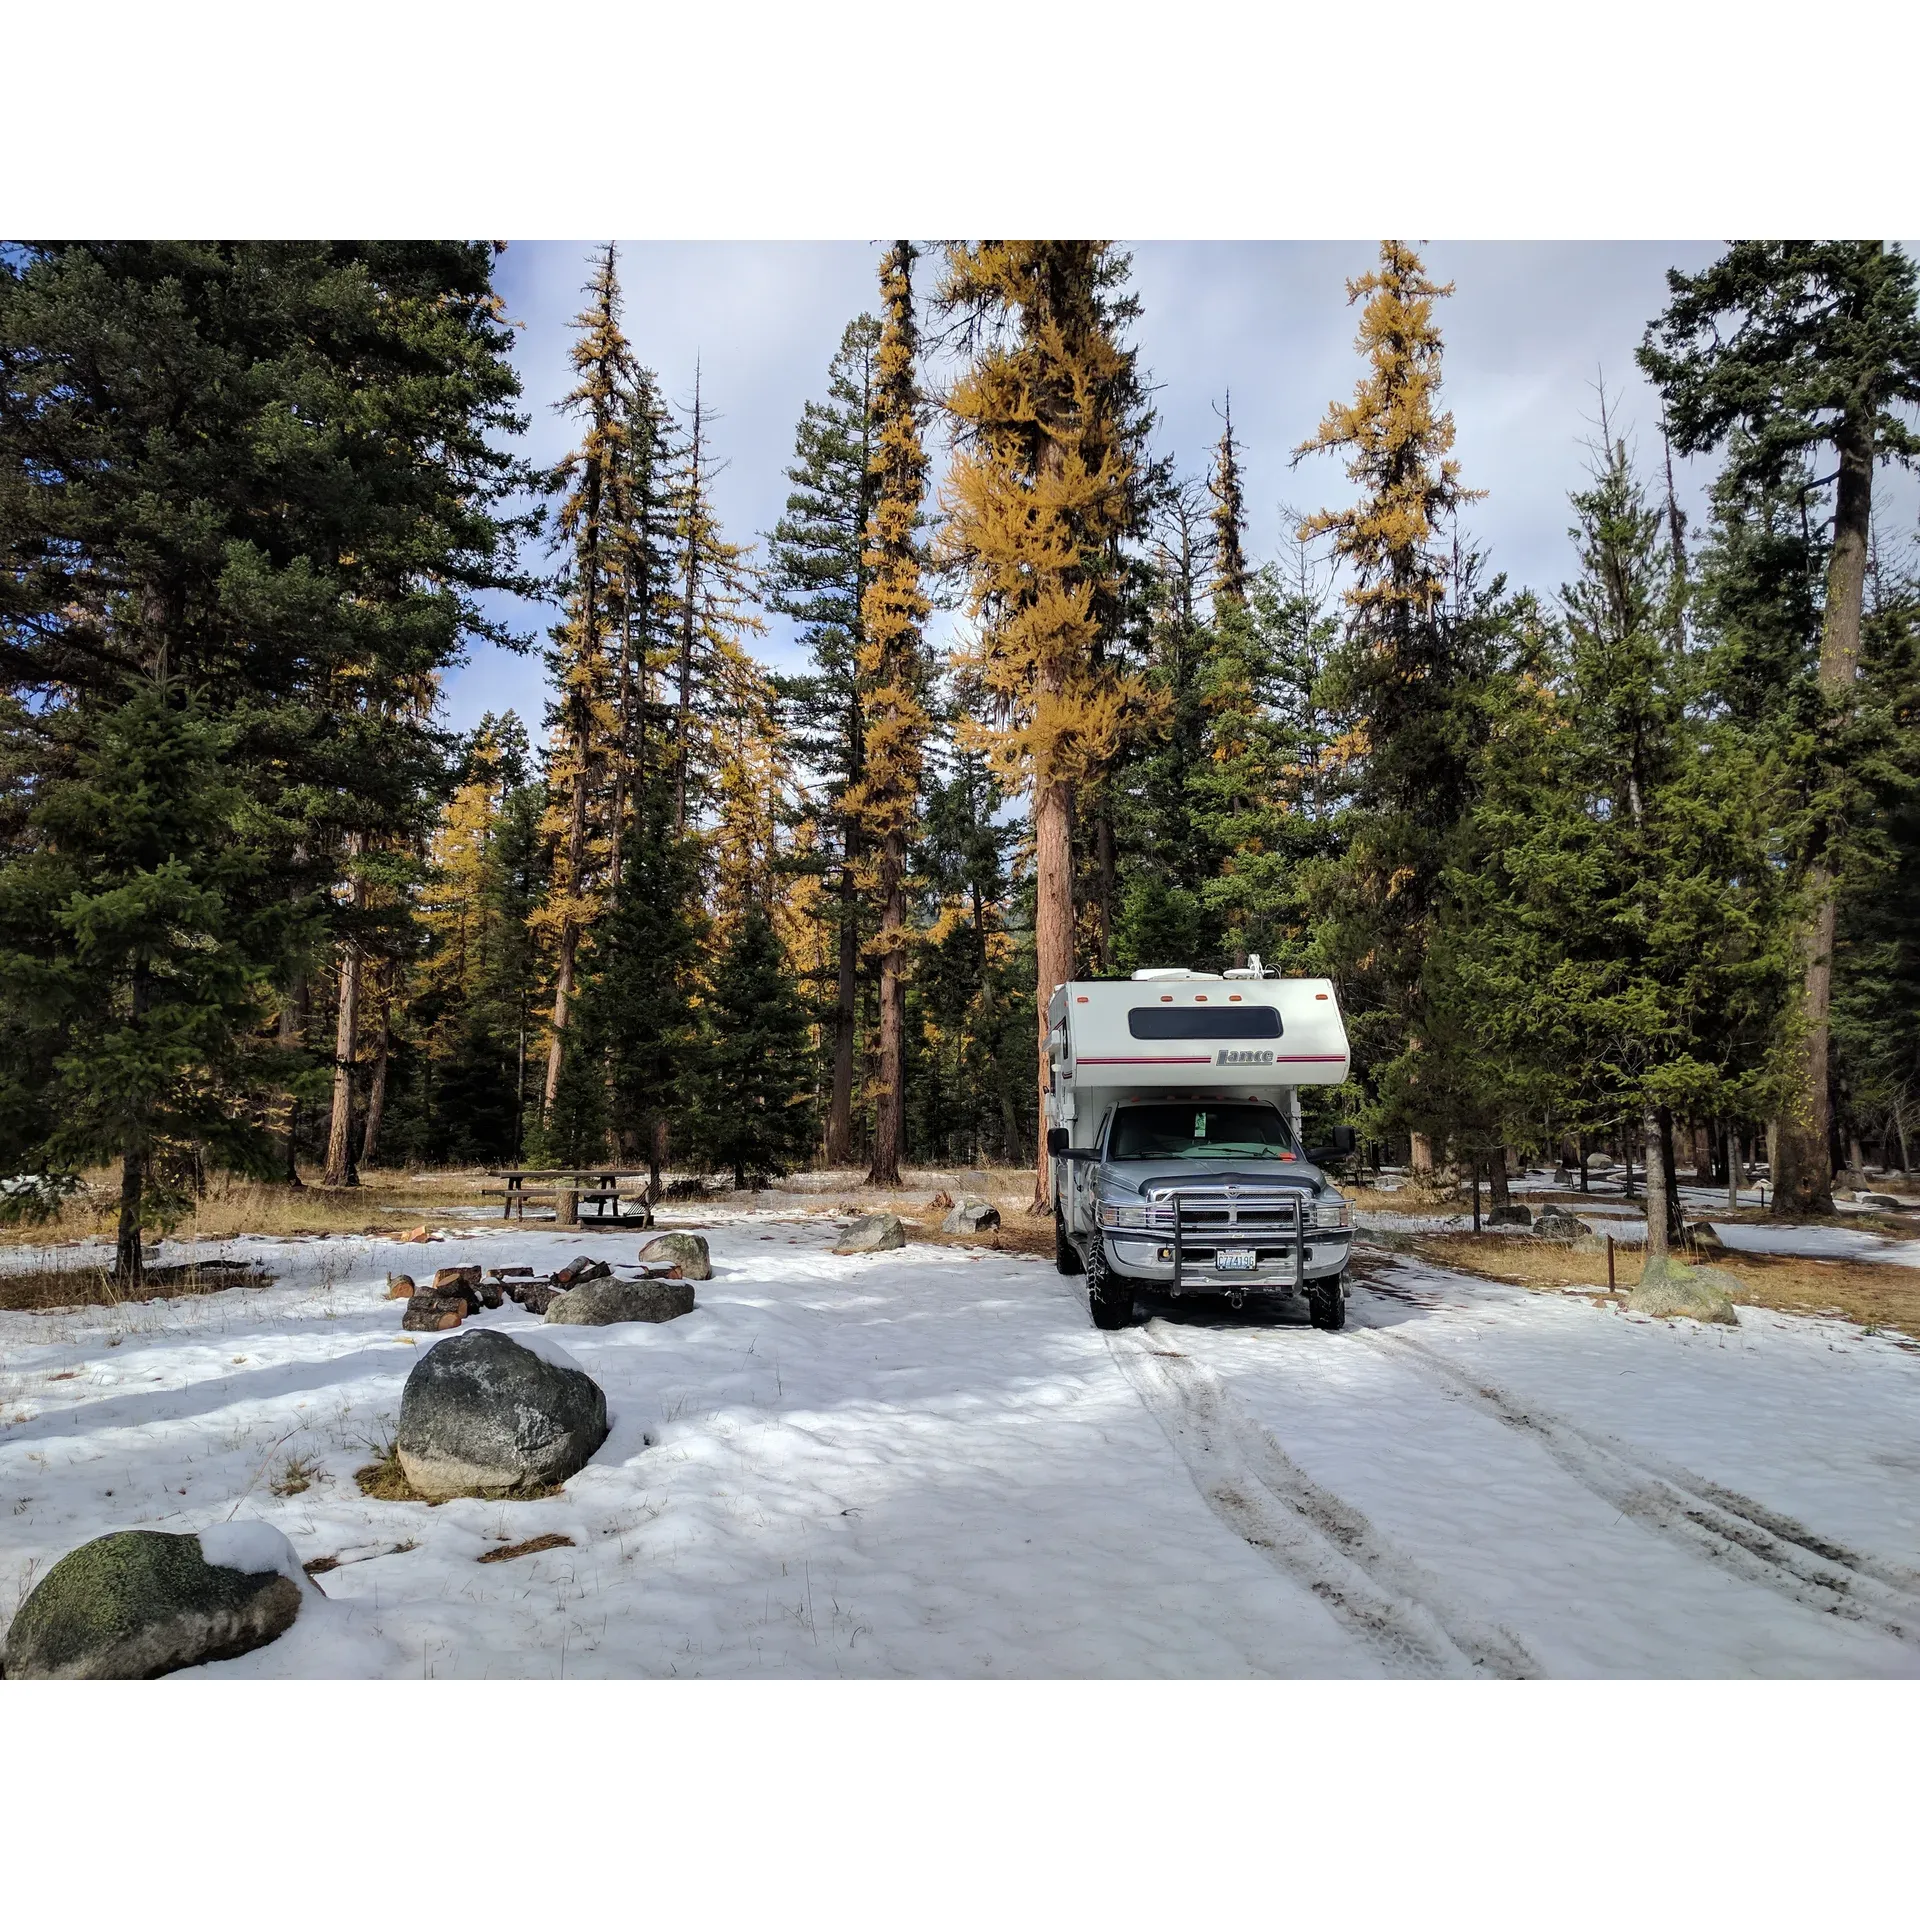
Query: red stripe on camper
x=1145 y=1060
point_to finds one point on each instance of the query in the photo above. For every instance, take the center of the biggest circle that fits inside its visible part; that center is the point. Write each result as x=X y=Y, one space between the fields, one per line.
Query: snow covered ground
x=929 y=1463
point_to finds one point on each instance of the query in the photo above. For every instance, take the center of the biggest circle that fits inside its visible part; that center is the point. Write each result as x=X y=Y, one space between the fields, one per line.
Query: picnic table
x=594 y=1188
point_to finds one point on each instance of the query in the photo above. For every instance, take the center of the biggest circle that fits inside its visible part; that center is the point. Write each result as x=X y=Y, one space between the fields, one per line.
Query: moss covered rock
x=1670 y=1289
x=687 y=1251
x=135 y=1605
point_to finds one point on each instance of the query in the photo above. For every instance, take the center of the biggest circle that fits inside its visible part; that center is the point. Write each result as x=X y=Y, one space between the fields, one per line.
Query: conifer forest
x=1626 y=859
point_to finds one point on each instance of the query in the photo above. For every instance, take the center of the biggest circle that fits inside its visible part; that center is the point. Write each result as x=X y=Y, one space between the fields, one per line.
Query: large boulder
x=971 y=1216
x=1556 y=1223
x=874 y=1233
x=605 y=1303
x=135 y=1605
x=1599 y=1162
x=687 y=1251
x=1669 y=1290
x=488 y=1414
x=1510 y=1216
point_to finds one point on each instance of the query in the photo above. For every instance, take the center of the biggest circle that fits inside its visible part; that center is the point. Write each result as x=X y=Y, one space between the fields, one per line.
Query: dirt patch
x=541 y=1543
x=1869 y=1294
x=46 y=1288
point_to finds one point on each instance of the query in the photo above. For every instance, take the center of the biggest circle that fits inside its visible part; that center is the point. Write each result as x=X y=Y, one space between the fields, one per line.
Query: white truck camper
x=1173 y=1127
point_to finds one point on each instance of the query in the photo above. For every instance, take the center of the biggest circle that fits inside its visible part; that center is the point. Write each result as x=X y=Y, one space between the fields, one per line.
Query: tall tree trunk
x=1670 y=1176
x=129 y=1258
x=1733 y=1166
x=1052 y=937
x=688 y=598
x=656 y=1158
x=1500 y=1193
x=340 y=1169
x=293 y=1022
x=1659 y=1245
x=569 y=938
x=1803 y=1168
x=1419 y=1153
x=890 y=1104
x=377 y=1089
x=840 y=1103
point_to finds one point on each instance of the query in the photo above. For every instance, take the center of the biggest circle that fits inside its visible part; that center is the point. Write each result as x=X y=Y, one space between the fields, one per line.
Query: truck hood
x=1141 y=1175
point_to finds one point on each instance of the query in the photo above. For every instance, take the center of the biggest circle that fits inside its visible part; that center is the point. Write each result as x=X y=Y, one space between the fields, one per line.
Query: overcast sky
x=1531 y=326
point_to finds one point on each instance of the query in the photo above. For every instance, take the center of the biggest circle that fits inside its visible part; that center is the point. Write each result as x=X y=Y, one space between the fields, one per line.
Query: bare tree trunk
x=1803 y=1166
x=1052 y=937
x=1419 y=1153
x=1669 y=1175
x=1658 y=1245
x=569 y=935
x=377 y=1089
x=1733 y=1166
x=340 y=1169
x=839 y=1141
x=656 y=1159
x=293 y=1021
x=890 y=1106
x=129 y=1258
x=1500 y=1192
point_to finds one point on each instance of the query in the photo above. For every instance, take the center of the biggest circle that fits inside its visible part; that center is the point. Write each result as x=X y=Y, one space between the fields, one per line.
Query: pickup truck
x=1174 y=1141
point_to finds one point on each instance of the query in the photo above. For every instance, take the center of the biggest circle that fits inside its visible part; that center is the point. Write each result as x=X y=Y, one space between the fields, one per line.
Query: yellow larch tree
x=883 y=802
x=1041 y=492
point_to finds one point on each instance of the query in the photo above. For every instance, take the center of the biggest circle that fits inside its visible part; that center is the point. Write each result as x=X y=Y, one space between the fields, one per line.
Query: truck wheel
x=1327 y=1305
x=1109 y=1298
x=1066 y=1256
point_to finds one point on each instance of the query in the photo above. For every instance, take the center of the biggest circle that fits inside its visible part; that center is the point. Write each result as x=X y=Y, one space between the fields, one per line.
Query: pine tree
x=271 y=473
x=138 y=924
x=893 y=668
x=819 y=570
x=749 y=1078
x=593 y=525
x=1230 y=571
x=1043 y=489
x=1395 y=681
x=1779 y=348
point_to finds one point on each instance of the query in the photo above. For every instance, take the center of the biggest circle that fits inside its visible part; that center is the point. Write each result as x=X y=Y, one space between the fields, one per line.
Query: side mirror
x=1057 y=1138
x=1345 y=1139
x=1339 y=1142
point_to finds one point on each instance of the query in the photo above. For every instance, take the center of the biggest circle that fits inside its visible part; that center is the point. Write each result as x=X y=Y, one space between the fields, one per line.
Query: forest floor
x=929 y=1462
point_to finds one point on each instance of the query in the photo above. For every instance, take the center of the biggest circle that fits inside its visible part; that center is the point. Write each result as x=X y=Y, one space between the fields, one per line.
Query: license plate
x=1235 y=1259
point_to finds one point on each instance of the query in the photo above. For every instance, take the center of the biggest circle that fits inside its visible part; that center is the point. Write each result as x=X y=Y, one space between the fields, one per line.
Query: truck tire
x=1109 y=1298
x=1066 y=1256
x=1327 y=1305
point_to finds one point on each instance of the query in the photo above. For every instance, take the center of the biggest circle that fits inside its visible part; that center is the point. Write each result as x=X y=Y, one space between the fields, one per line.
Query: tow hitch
x=1236 y=1298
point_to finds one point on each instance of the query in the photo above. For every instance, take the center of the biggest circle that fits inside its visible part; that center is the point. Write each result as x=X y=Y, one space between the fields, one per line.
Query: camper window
x=1204 y=1023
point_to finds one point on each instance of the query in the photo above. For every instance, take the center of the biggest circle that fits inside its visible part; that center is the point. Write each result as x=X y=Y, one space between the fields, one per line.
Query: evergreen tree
x=1779 y=348
x=1043 y=489
x=749 y=1078
x=138 y=924
x=594 y=525
x=271 y=474
x=893 y=672
x=819 y=572
x=1397 y=682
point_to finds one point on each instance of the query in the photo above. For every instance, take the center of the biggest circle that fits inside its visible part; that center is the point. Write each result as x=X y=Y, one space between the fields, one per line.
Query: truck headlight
x=1333 y=1213
x=1116 y=1216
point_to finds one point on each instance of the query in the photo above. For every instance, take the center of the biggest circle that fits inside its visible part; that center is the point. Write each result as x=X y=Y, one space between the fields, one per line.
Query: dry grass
x=541 y=1543
x=43 y=1289
x=384 y=1480
x=233 y=1206
x=1867 y=1294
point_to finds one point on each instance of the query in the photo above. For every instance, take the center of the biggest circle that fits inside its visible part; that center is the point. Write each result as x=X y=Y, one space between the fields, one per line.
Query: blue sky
x=1530 y=328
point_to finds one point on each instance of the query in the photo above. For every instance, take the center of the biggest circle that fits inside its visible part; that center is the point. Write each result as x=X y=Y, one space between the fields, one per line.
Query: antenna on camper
x=1253 y=970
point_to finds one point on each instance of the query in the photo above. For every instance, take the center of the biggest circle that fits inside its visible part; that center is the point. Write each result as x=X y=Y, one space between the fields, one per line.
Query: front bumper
x=1148 y=1259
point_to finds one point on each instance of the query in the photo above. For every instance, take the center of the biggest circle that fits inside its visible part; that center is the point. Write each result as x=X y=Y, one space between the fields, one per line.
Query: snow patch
x=547 y=1347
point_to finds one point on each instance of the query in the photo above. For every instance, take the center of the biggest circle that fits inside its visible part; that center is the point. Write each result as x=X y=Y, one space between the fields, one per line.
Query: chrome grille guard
x=1268 y=1201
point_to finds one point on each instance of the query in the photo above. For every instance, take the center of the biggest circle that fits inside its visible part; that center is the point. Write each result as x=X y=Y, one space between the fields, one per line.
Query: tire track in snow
x=1397 y=1608
x=1733 y=1532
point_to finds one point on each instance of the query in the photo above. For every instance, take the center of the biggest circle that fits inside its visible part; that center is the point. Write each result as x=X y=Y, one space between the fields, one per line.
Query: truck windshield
x=1244 y=1132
